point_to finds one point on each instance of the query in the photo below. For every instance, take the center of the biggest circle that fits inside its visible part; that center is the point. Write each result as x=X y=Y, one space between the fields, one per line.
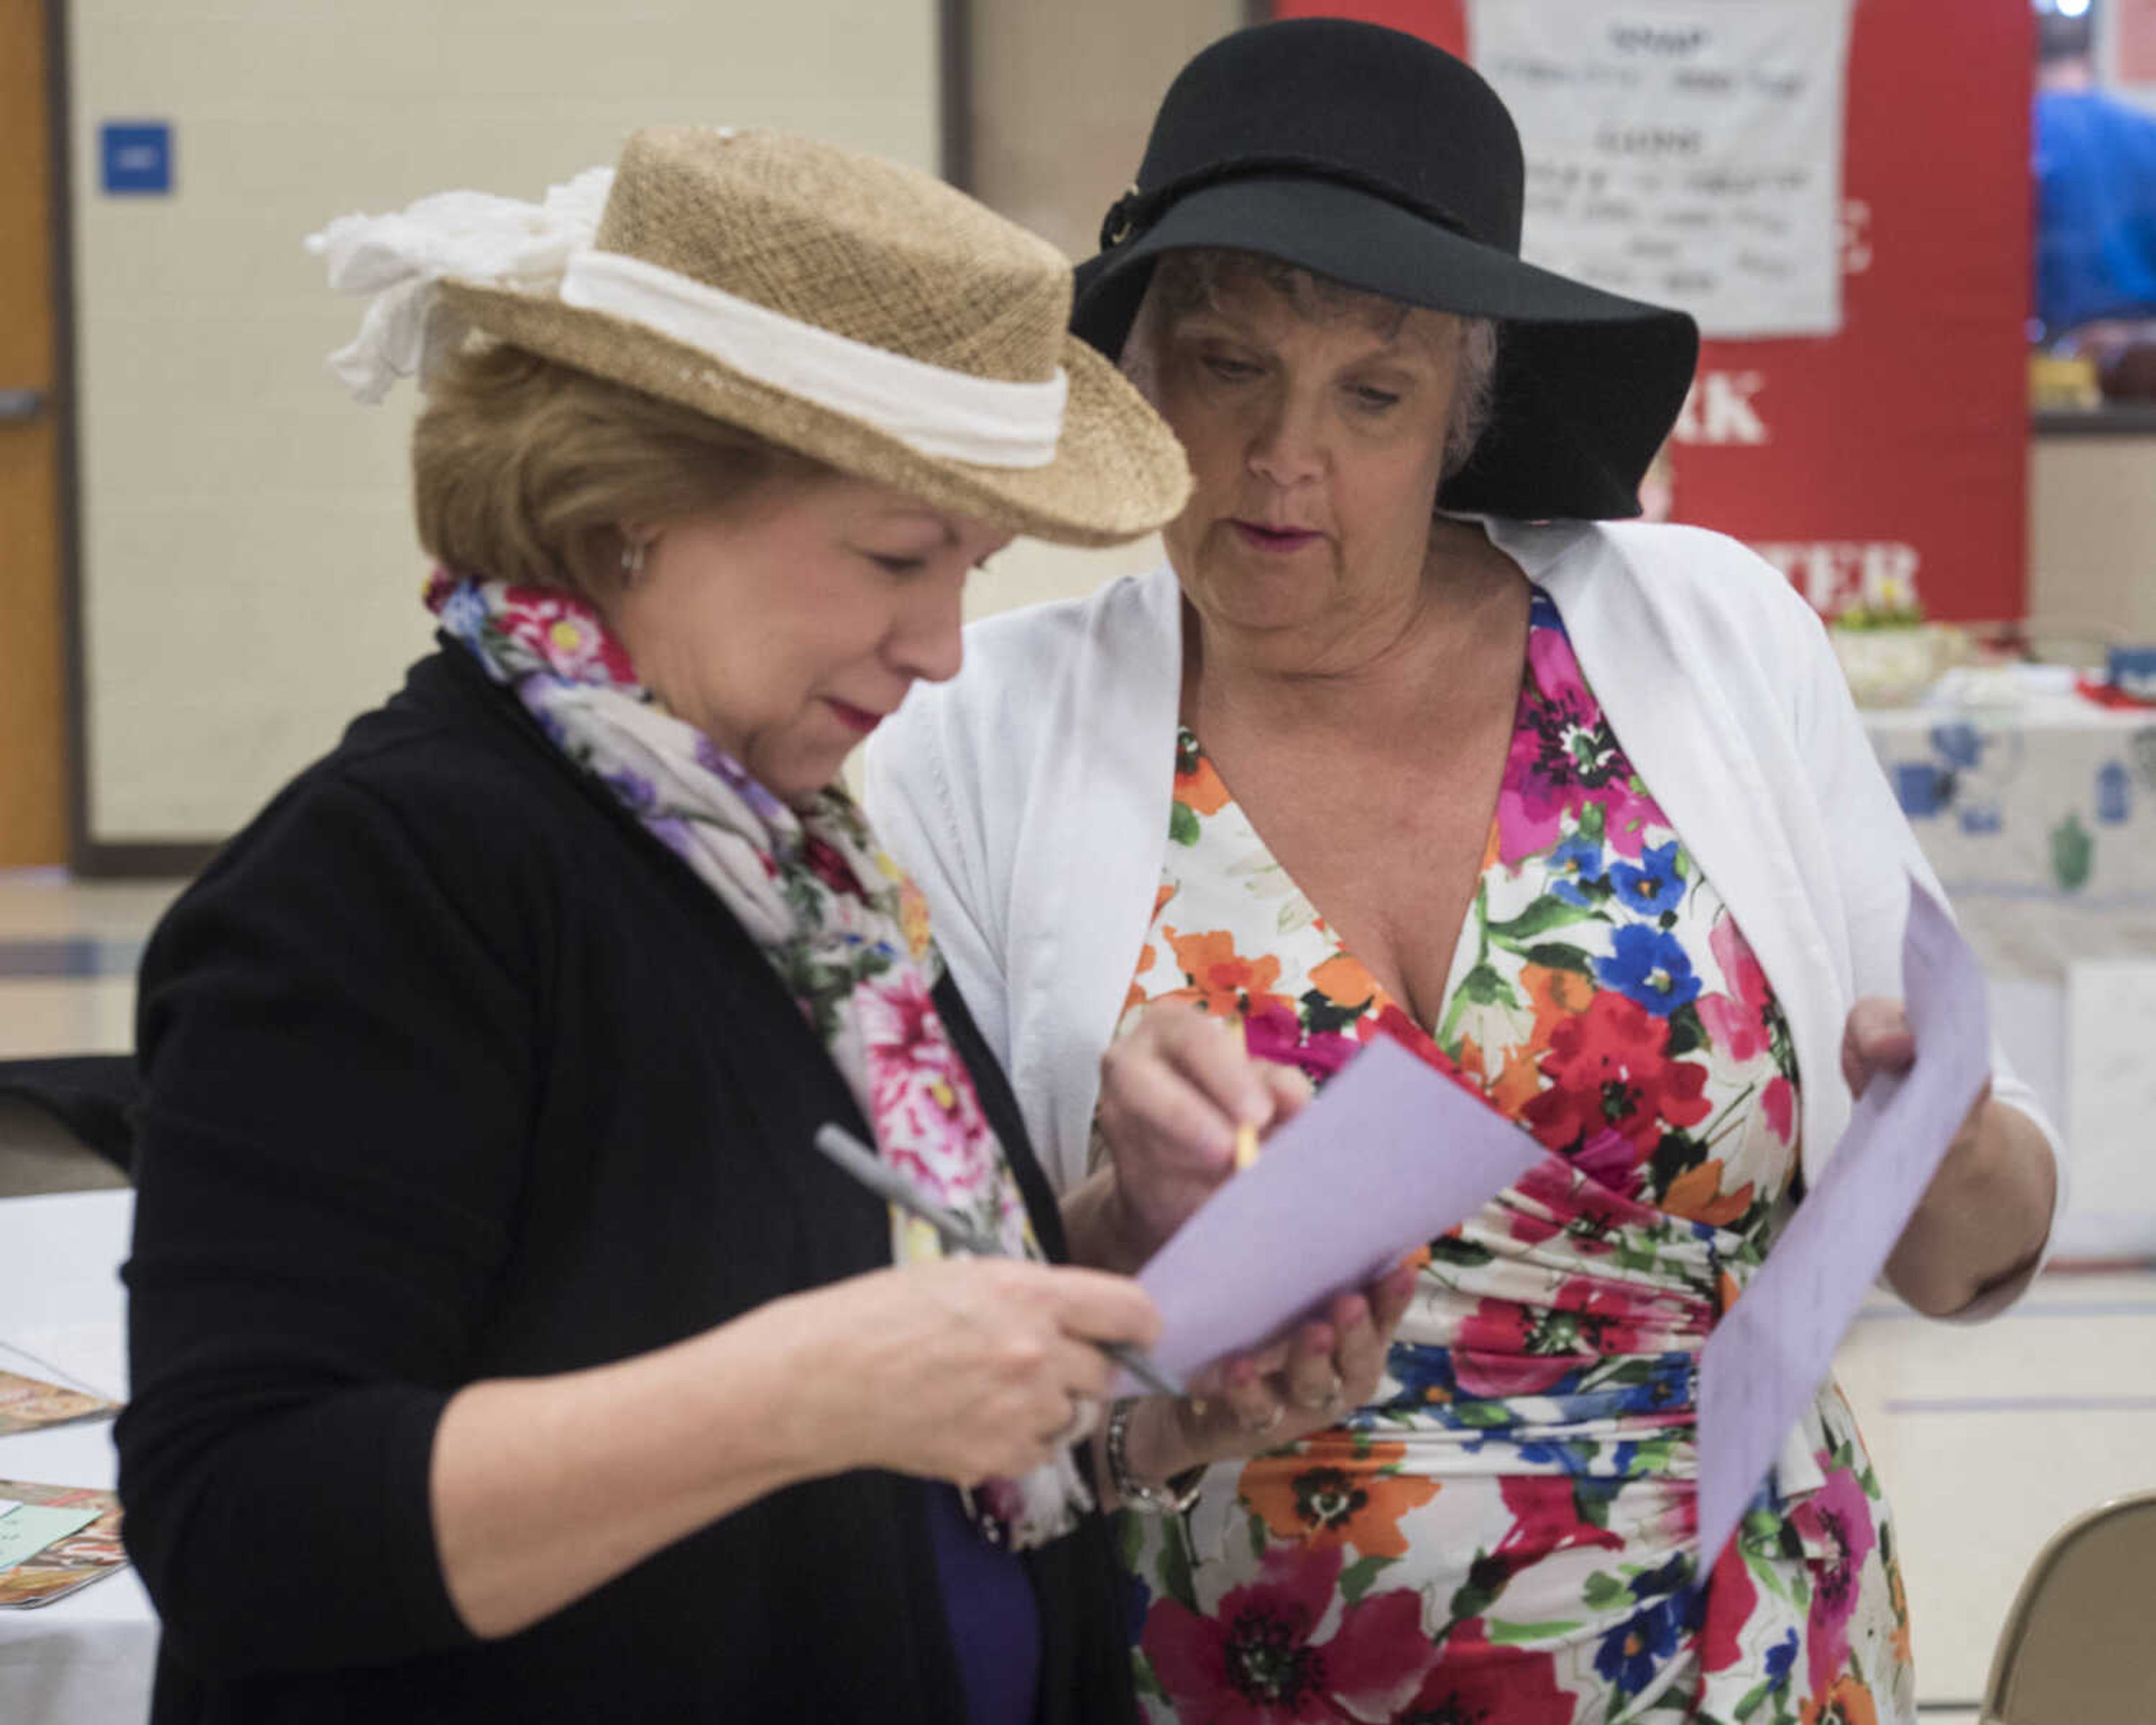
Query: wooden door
x=33 y=723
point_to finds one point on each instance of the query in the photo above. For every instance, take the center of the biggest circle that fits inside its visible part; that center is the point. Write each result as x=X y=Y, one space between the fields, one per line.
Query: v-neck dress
x=1507 y=1532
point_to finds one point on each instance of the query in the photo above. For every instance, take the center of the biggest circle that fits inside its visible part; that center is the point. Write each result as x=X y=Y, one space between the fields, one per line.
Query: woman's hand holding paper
x=1257 y=1401
x=969 y=1369
x=1980 y=1227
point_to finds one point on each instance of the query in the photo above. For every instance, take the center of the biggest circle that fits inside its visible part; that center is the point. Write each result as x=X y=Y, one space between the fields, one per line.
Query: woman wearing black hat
x=1406 y=741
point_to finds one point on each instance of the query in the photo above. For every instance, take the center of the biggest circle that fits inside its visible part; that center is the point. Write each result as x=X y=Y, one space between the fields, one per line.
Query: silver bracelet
x=1173 y=1499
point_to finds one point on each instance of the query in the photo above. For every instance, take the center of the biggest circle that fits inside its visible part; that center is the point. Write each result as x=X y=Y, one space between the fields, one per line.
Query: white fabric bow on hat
x=471 y=236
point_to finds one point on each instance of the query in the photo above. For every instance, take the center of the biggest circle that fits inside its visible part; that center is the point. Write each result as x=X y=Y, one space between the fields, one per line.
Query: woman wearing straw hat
x=501 y=1348
x=1405 y=741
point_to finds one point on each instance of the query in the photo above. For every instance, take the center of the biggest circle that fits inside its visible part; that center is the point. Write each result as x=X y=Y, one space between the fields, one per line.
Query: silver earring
x=632 y=558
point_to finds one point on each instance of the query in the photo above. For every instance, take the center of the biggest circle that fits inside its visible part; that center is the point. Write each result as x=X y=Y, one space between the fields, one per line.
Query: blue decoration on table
x=2114 y=793
x=1923 y=789
x=2132 y=670
x=1959 y=745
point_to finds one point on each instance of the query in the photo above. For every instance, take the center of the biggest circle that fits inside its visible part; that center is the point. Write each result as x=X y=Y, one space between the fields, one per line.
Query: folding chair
x=2079 y=1646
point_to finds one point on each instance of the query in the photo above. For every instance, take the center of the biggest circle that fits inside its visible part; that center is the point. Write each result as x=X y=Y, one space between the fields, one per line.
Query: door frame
x=88 y=856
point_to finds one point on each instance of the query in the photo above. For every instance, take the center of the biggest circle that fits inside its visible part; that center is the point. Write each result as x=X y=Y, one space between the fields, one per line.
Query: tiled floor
x=1987 y=1437
x=68 y=953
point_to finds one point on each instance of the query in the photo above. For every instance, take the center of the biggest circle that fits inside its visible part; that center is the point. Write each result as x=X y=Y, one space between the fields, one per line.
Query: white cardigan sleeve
x=1029 y=798
x=1721 y=682
x=934 y=834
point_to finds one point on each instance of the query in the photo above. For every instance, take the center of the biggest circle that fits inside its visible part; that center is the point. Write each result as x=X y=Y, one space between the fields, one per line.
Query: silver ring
x=1261 y=1427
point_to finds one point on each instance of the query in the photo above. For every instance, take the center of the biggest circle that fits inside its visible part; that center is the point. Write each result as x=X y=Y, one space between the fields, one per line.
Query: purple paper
x=1392 y=1154
x=1772 y=1349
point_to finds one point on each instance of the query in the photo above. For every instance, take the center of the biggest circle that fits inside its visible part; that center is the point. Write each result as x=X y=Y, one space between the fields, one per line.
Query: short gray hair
x=1191 y=279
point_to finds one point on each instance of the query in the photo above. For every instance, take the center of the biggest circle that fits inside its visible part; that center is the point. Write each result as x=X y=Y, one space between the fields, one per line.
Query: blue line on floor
x=70 y=956
x=2022 y=1405
x=2035 y=892
x=2049 y=1308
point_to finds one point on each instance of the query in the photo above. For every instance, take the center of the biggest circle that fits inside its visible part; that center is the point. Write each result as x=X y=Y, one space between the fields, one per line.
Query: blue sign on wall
x=136 y=157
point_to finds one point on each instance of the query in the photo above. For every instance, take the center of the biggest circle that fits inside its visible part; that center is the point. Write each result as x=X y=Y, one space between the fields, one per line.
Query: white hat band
x=954 y=415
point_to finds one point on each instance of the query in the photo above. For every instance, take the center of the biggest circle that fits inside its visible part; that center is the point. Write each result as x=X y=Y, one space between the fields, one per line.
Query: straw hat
x=858 y=311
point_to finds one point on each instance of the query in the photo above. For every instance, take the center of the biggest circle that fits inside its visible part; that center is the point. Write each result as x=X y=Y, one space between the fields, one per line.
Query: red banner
x=1895 y=451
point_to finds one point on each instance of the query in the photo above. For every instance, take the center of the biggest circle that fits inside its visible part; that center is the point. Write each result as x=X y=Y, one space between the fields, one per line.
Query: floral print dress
x=1506 y=1534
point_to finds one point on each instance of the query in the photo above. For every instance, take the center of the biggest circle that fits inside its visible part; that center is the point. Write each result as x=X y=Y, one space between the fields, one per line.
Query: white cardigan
x=1030 y=800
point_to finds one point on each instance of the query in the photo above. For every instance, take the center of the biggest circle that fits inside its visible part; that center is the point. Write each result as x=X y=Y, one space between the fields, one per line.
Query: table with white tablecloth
x=2039 y=817
x=88 y=1658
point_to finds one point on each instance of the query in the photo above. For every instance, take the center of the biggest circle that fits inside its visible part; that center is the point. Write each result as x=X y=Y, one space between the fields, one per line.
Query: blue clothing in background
x=2096 y=209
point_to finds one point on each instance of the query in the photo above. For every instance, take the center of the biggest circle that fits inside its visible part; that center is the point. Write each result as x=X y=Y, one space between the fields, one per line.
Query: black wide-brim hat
x=1380 y=160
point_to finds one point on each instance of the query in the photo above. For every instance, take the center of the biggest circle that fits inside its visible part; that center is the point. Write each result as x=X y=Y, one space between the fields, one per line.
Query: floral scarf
x=846 y=931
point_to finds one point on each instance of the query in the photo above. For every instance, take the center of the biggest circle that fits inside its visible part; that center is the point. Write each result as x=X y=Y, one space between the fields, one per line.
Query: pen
x=857 y=1159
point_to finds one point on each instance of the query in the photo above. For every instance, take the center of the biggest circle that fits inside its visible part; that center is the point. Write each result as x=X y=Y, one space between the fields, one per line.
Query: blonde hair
x=525 y=470
x=1194 y=278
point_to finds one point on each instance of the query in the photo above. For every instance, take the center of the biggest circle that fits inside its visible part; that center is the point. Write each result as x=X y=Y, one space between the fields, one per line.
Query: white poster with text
x=1687 y=153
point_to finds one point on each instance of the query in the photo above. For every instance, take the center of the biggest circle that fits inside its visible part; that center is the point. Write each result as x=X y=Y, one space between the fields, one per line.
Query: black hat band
x=1136 y=211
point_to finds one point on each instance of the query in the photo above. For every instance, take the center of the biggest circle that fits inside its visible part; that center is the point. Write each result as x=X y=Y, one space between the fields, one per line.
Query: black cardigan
x=454 y=1072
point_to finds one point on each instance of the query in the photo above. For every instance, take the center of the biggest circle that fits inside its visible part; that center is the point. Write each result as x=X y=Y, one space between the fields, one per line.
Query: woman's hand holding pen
x=962 y=1370
x=1173 y=1093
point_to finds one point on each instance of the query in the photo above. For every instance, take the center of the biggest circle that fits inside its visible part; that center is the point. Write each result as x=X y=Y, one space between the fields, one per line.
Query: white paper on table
x=1392 y=1154
x=1773 y=1348
x=27 y=1528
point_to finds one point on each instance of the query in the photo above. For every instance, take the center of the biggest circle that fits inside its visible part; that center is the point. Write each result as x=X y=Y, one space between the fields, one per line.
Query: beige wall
x=2092 y=537
x=250 y=579
x=249 y=567
x=1063 y=98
